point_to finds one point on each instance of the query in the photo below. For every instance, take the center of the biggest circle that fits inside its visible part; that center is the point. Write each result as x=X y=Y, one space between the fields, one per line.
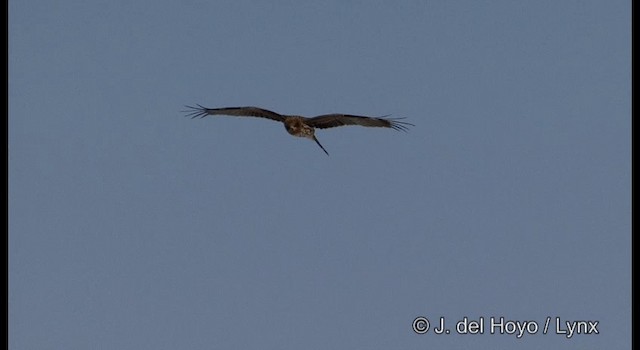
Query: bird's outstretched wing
x=334 y=120
x=201 y=112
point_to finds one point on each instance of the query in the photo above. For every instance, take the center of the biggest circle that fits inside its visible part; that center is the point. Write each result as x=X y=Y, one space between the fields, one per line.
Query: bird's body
x=296 y=126
x=301 y=126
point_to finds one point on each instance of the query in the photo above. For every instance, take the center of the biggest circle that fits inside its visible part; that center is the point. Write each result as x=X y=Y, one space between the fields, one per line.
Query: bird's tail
x=318 y=142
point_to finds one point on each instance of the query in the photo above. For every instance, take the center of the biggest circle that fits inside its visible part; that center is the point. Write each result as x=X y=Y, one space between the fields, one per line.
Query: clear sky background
x=133 y=227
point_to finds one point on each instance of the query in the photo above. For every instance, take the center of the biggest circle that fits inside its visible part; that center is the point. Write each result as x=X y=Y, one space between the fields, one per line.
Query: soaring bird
x=298 y=125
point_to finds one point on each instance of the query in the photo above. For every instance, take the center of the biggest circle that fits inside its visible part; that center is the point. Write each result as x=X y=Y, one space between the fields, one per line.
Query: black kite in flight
x=301 y=126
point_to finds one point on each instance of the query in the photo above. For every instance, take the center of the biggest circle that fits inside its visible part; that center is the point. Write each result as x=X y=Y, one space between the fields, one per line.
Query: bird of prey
x=298 y=125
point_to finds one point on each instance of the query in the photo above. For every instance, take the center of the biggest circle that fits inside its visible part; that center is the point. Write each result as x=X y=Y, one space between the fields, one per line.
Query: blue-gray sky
x=133 y=227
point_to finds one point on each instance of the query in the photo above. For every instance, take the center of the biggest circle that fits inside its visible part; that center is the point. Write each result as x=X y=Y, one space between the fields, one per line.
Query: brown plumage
x=301 y=126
